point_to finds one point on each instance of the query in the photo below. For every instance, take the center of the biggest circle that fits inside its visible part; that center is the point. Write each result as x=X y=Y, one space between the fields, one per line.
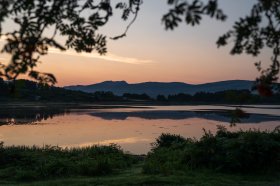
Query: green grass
x=134 y=176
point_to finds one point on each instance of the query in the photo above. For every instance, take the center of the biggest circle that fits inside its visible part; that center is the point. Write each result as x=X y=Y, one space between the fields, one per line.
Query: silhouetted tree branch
x=132 y=7
x=68 y=18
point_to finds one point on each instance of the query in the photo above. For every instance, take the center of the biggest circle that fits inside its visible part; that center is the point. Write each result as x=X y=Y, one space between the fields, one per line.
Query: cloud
x=107 y=57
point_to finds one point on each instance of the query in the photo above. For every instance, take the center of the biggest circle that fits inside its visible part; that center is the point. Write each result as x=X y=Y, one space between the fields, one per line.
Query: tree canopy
x=79 y=20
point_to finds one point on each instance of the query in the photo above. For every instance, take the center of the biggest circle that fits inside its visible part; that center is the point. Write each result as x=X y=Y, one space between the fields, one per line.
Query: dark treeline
x=140 y=97
x=228 y=96
x=31 y=91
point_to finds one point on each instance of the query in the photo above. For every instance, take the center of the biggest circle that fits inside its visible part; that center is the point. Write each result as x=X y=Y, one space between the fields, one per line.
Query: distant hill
x=31 y=91
x=155 y=88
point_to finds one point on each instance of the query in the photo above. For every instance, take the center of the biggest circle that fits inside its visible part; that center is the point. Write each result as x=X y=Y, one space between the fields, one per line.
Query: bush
x=168 y=140
x=240 y=152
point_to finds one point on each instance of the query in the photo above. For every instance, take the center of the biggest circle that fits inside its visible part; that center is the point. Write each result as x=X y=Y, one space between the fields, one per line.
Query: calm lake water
x=133 y=128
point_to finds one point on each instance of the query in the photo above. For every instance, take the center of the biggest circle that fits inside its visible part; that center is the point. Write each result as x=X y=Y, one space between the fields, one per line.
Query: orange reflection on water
x=132 y=134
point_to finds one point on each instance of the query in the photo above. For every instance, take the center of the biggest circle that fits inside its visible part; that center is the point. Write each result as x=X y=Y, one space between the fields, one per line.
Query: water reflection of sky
x=132 y=128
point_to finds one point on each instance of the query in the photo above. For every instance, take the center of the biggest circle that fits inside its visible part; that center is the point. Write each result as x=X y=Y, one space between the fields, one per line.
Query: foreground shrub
x=30 y=163
x=168 y=140
x=241 y=152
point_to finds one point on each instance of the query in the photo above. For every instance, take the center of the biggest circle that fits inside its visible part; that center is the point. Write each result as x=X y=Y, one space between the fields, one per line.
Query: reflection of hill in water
x=29 y=115
x=215 y=115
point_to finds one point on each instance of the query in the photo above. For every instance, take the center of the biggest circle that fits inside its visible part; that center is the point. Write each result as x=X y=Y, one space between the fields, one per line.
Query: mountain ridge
x=163 y=88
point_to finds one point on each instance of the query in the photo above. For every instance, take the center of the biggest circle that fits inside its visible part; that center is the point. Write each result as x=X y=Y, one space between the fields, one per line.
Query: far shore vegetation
x=30 y=91
x=225 y=158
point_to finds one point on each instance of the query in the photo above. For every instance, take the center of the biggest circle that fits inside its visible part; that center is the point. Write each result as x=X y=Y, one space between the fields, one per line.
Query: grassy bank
x=34 y=163
x=134 y=176
x=224 y=158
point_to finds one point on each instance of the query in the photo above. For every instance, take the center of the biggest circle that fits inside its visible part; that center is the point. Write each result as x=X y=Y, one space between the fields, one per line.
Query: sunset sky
x=149 y=53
